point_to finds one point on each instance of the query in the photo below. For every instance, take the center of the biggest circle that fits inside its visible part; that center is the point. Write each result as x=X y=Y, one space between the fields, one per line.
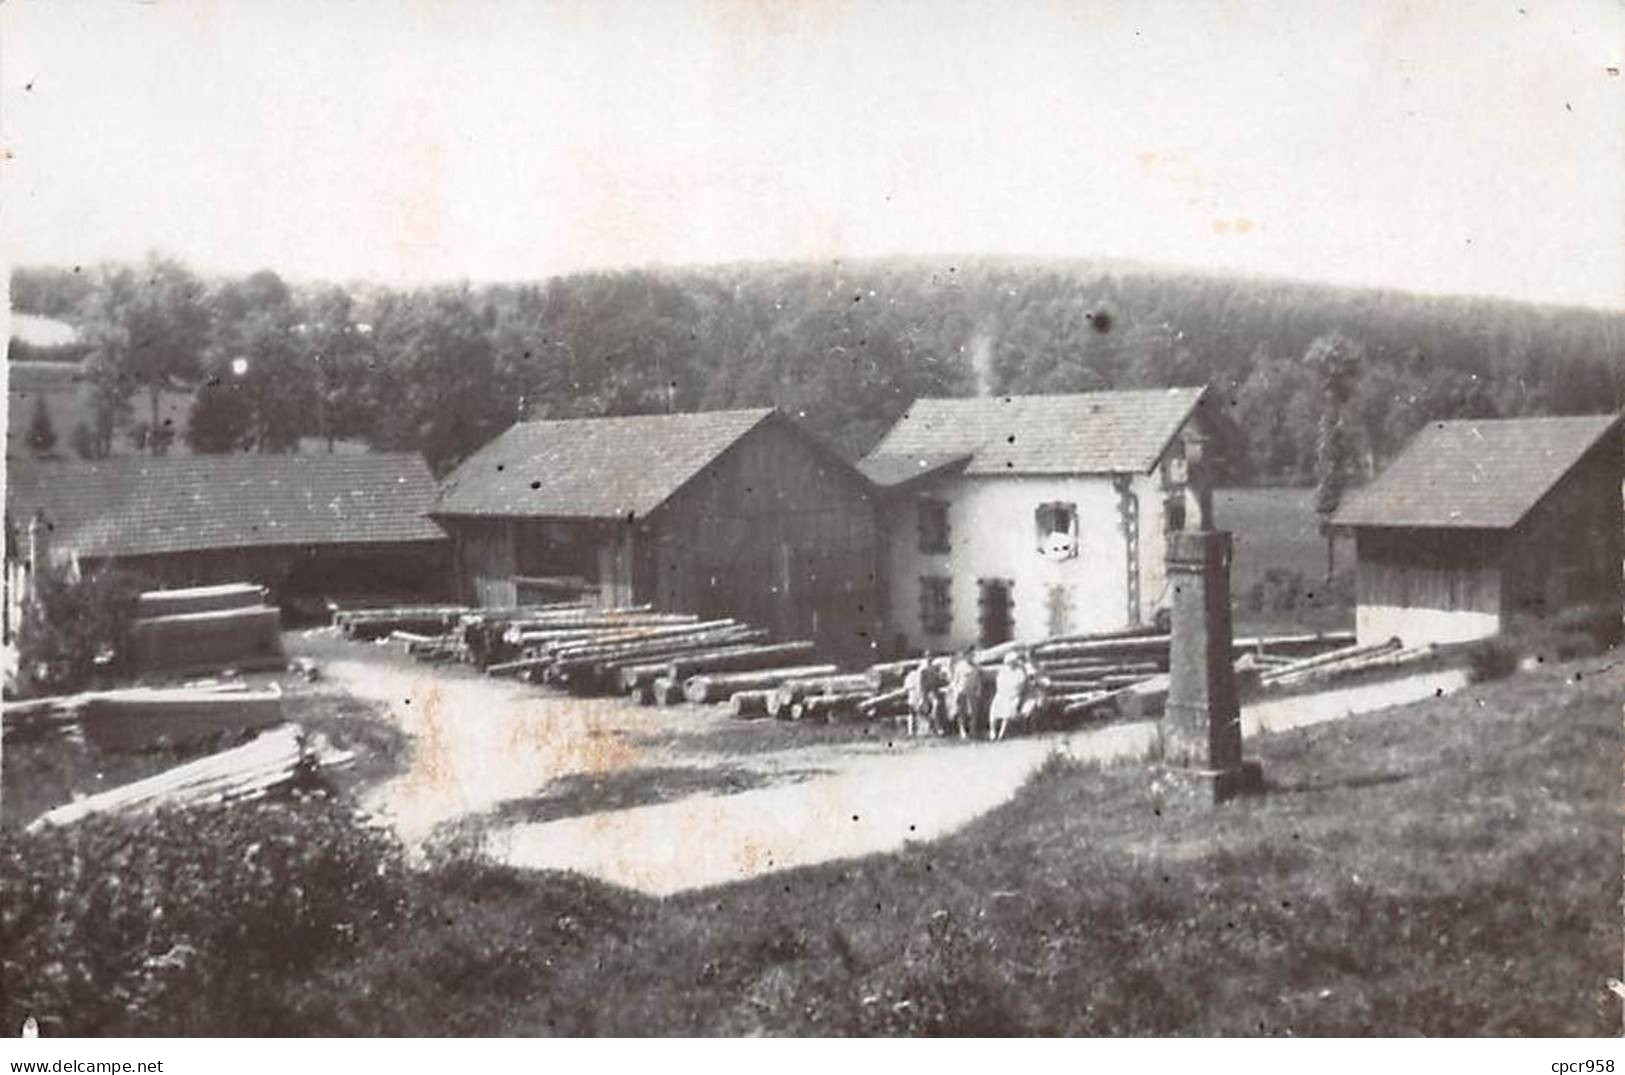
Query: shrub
x=1491 y=659
x=1285 y=590
x=75 y=629
x=196 y=921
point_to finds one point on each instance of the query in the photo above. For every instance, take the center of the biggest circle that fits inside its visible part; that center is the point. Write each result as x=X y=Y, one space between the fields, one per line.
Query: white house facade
x=1028 y=517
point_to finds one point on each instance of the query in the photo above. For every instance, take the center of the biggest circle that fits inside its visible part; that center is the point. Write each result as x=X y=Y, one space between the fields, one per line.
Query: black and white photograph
x=827 y=519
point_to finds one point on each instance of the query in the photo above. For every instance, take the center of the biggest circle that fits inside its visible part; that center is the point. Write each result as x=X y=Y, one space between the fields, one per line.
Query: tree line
x=844 y=347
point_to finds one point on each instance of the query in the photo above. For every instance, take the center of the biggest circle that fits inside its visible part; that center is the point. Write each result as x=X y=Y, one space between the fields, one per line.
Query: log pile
x=665 y=658
x=206 y=627
x=272 y=760
x=138 y=718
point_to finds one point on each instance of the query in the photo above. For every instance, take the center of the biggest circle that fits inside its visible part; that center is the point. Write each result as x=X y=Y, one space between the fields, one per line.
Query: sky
x=1458 y=147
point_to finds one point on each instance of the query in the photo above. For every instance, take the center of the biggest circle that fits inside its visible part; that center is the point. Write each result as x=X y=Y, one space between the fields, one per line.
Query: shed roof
x=592 y=468
x=138 y=506
x=1119 y=432
x=1474 y=473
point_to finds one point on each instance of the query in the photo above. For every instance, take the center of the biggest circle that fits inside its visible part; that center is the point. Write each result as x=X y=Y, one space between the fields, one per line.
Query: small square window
x=1057 y=530
x=936 y=604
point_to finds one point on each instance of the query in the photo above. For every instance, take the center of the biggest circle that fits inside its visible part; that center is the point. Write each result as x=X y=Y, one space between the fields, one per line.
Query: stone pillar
x=1201 y=734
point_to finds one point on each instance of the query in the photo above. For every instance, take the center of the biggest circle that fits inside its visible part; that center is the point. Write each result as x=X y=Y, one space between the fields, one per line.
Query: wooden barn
x=726 y=514
x=1480 y=522
x=303 y=525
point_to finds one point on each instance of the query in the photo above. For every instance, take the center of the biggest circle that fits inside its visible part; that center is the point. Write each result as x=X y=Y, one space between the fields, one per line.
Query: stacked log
x=240 y=637
x=274 y=759
x=720 y=686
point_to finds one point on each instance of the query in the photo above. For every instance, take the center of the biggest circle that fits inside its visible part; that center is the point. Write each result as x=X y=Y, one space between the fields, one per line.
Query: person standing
x=965 y=693
x=1009 y=695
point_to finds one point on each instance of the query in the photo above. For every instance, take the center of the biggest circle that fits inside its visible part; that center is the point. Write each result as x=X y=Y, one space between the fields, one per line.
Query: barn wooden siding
x=1443 y=570
x=405 y=567
x=1567 y=551
x=775 y=531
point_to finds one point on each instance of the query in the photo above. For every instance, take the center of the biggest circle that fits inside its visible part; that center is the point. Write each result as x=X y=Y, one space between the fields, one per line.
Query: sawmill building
x=302 y=525
x=1481 y=522
x=725 y=514
x=1023 y=517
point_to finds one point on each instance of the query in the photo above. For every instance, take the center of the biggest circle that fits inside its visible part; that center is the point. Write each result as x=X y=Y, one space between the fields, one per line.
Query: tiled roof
x=592 y=468
x=139 y=505
x=899 y=469
x=1480 y=474
x=1088 y=433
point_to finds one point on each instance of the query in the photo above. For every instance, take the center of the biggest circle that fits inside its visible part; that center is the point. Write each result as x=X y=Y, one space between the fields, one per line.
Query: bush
x=1491 y=659
x=1284 y=590
x=197 y=921
x=75 y=630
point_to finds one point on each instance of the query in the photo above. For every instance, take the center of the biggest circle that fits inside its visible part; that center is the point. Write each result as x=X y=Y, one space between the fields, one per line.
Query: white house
x=1030 y=516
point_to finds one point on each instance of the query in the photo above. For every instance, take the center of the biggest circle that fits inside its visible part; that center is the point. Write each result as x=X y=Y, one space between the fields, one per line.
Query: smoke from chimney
x=981 y=361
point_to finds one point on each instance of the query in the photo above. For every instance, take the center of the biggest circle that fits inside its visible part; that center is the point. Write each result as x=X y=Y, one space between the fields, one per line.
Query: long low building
x=299 y=524
x=1481 y=522
x=723 y=513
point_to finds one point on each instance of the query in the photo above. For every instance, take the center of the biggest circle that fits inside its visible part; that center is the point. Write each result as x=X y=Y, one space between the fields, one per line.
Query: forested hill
x=845 y=346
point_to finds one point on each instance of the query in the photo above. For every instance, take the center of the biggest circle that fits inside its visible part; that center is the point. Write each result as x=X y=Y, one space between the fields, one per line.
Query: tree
x=147 y=329
x=41 y=434
x=1336 y=362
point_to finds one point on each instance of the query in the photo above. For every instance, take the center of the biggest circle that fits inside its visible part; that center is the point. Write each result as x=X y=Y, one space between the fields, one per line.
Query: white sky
x=1462 y=147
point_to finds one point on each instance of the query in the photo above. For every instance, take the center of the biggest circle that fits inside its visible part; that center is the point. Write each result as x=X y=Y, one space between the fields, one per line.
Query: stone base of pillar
x=1179 y=788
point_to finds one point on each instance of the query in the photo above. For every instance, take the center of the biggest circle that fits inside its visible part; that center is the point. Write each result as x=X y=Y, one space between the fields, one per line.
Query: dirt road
x=480 y=743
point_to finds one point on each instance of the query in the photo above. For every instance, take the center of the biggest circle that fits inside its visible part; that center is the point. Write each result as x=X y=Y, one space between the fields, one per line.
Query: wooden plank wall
x=774 y=532
x=1567 y=552
x=1449 y=571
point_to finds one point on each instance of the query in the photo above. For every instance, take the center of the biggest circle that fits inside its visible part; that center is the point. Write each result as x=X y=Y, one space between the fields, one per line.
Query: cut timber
x=717 y=686
x=139 y=719
x=667 y=691
x=633 y=672
x=828 y=707
x=746 y=705
x=513 y=668
x=203 y=639
x=882 y=704
x=1333 y=657
x=156 y=603
x=739 y=661
x=244 y=772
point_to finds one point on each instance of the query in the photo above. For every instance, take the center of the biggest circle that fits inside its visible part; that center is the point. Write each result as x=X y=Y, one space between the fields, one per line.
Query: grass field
x=1278 y=528
x=1452 y=868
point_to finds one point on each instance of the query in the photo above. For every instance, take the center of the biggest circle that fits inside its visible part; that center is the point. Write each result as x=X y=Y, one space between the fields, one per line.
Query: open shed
x=1480 y=522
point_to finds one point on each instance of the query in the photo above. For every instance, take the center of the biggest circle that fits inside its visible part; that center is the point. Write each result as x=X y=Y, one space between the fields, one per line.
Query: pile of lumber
x=270 y=761
x=206 y=627
x=138 y=718
x=668 y=658
x=372 y=623
x=1347 y=661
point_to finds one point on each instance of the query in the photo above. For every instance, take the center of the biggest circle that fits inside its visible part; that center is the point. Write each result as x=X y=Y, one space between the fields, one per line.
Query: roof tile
x=1473 y=474
x=1114 y=432
x=134 y=506
x=592 y=468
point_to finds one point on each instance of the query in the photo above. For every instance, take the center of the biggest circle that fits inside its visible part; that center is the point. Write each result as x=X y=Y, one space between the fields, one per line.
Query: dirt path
x=479 y=743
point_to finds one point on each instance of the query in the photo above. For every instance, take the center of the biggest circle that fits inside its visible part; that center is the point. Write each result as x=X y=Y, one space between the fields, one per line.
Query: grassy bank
x=1452 y=868
x=1448 y=869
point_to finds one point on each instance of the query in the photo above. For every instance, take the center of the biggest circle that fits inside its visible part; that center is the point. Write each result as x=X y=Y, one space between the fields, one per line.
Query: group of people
x=947 y=695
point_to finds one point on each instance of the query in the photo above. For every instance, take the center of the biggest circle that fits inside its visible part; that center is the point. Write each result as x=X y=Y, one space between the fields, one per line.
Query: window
x=1058 y=606
x=933 y=520
x=1057 y=530
x=936 y=604
x=996 y=610
x=1173 y=512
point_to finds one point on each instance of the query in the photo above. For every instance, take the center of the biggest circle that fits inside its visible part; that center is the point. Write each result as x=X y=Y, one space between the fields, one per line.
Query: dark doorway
x=995 y=609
